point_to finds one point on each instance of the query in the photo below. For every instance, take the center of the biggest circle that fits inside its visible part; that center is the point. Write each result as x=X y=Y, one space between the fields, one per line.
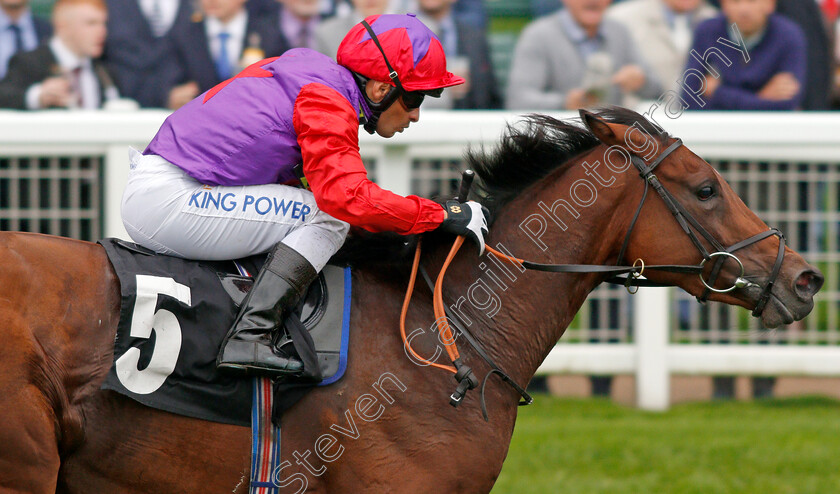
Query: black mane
x=532 y=149
x=527 y=152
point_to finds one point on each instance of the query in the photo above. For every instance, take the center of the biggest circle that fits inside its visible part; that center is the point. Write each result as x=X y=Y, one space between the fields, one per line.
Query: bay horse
x=559 y=193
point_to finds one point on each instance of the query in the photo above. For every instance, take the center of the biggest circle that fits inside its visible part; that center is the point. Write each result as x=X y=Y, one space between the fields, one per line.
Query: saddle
x=174 y=315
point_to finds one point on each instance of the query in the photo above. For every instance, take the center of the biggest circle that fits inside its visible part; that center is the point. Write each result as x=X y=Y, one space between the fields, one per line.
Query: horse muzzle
x=792 y=297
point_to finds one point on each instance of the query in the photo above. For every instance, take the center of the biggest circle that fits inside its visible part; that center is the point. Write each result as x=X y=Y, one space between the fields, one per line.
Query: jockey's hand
x=468 y=219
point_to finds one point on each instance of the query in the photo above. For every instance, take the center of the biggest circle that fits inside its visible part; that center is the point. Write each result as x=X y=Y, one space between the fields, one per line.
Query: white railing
x=798 y=137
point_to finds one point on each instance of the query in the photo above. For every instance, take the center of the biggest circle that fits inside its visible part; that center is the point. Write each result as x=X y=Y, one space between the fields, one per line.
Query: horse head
x=691 y=216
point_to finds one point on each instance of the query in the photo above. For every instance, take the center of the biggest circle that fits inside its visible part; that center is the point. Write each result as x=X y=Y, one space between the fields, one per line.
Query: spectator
x=807 y=15
x=575 y=58
x=63 y=73
x=816 y=19
x=752 y=59
x=140 y=54
x=221 y=41
x=468 y=56
x=329 y=33
x=297 y=20
x=19 y=30
x=662 y=30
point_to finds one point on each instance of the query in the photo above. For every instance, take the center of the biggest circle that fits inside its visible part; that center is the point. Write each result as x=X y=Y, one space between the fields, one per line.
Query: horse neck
x=519 y=315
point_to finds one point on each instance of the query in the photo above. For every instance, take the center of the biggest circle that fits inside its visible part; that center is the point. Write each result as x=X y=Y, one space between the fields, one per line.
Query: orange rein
x=409 y=291
x=437 y=302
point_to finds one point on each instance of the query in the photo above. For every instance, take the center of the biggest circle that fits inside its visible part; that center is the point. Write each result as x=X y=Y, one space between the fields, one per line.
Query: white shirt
x=235 y=28
x=67 y=62
x=168 y=10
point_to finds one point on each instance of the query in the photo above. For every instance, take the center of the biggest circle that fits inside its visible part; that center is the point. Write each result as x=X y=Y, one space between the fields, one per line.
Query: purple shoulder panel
x=240 y=132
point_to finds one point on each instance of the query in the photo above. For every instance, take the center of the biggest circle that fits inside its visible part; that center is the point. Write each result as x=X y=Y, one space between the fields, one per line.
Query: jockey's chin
x=396 y=119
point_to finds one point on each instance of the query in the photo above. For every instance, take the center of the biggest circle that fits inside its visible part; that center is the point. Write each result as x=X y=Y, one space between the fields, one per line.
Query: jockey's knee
x=334 y=228
x=343 y=227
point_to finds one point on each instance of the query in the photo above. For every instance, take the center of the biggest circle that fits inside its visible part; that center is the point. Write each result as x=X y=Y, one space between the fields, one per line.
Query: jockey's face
x=396 y=119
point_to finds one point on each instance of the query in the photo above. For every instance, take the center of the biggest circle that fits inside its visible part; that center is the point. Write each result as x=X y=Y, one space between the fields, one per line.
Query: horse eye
x=705 y=193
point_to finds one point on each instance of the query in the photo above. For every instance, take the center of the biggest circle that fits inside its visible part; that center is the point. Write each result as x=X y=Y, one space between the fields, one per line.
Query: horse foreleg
x=29 y=459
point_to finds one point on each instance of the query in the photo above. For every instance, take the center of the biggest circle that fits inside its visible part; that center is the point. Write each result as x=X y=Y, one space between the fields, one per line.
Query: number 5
x=167 y=330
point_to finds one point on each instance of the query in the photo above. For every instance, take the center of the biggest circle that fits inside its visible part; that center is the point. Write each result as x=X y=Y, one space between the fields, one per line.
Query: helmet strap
x=391 y=72
x=377 y=108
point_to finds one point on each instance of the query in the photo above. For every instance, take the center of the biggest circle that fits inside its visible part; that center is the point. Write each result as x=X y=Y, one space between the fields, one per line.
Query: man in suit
x=575 y=58
x=140 y=54
x=217 y=45
x=65 y=72
x=662 y=30
x=19 y=31
x=468 y=54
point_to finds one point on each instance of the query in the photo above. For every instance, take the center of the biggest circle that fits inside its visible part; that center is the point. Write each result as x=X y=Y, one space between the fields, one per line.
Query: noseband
x=689 y=225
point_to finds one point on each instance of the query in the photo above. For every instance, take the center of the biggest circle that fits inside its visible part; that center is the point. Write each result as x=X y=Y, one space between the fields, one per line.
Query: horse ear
x=634 y=139
x=602 y=129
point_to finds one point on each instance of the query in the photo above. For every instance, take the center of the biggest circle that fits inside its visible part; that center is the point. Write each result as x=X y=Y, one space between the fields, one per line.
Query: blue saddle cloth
x=174 y=314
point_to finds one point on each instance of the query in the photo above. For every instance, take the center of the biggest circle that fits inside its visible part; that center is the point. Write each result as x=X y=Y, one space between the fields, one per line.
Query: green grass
x=595 y=446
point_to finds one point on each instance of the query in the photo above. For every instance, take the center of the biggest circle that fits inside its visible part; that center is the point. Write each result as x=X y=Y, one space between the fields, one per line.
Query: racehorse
x=558 y=192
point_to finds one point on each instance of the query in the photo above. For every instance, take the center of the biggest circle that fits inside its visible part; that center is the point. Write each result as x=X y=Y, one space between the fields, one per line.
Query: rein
x=464 y=375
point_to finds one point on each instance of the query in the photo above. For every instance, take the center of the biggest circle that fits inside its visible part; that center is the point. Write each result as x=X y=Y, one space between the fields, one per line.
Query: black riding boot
x=248 y=346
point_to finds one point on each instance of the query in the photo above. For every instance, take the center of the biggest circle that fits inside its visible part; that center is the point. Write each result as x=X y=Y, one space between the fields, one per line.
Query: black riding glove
x=466 y=218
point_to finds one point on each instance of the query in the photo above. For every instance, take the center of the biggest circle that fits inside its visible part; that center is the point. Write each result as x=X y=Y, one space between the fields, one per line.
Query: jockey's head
x=402 y=55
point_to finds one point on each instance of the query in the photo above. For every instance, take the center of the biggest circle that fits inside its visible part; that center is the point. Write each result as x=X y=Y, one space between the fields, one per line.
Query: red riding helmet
x=409 y=47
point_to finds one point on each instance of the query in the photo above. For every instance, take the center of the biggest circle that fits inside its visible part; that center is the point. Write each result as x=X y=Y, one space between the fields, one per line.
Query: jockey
x=219 y=179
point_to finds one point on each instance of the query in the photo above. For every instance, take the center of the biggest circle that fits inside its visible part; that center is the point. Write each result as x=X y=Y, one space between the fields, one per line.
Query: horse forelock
x=537 y=146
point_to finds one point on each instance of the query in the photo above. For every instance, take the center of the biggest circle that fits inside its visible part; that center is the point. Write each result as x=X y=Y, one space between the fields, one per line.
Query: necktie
x=77 y=86
x=16 y=34
x=223 y=69
x=156 y=19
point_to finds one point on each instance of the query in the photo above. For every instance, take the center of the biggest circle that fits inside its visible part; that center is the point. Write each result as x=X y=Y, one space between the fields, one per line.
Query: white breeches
x=166 y=210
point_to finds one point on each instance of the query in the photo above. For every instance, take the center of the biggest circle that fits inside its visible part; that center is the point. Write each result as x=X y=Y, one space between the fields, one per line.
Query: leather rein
x=465 y=376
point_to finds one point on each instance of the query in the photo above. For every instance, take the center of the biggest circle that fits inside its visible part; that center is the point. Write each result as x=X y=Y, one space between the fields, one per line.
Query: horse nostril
x=808 y=283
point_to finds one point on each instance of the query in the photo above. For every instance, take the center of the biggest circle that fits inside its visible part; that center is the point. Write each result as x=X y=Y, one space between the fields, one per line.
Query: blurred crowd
x=721 y=55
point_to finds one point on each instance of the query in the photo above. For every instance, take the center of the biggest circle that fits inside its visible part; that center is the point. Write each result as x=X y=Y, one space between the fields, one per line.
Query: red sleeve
x=327 y=128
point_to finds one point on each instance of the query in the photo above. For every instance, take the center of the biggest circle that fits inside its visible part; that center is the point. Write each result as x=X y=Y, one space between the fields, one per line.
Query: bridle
x=464 y=375
x=689 y=225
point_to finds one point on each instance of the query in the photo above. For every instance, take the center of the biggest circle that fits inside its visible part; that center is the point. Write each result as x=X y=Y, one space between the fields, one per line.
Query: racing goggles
x=411 y=100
